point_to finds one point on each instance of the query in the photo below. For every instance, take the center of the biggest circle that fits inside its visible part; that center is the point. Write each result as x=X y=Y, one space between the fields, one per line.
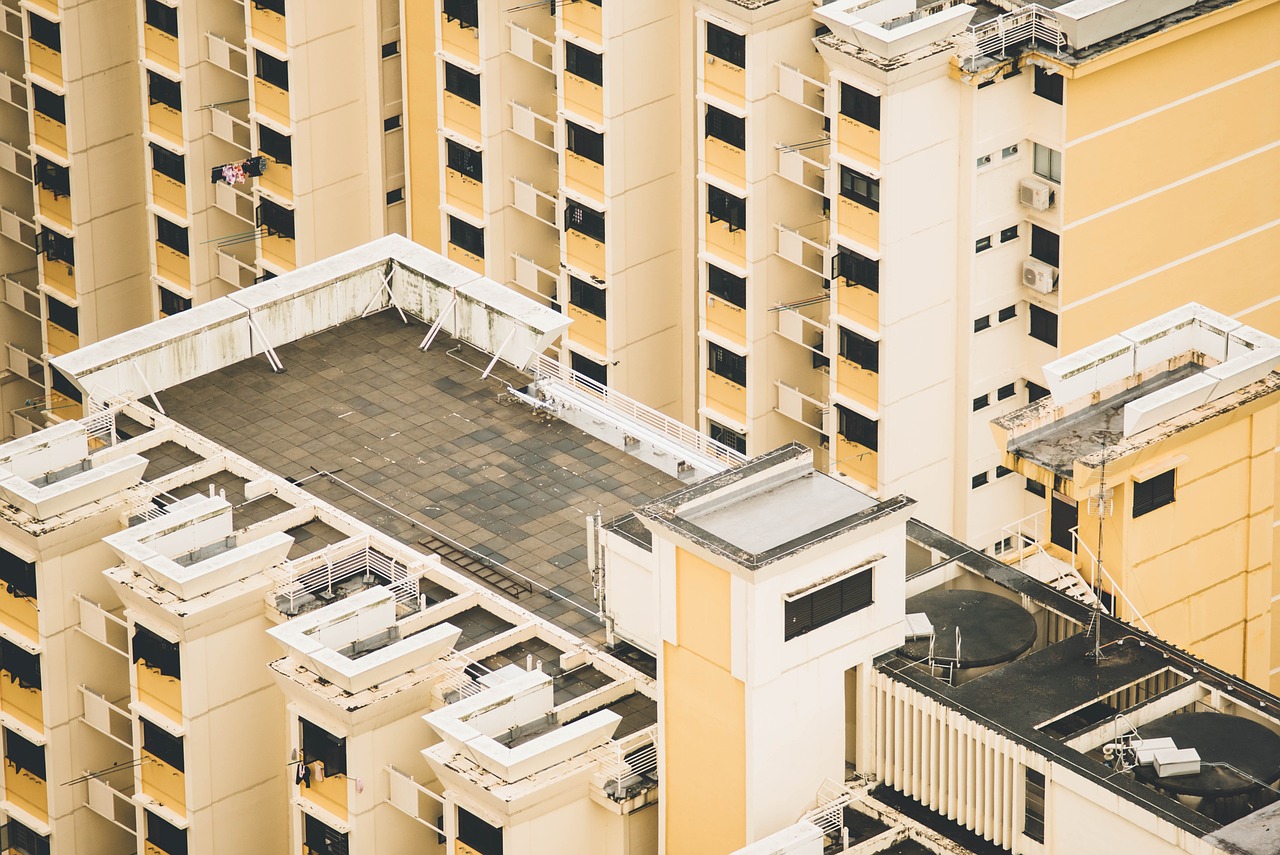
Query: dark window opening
x=62 y=384
x=584 y=220
x=860 y=188
x=48 y=104
x=589 y=368
x=982 y=323
x=276 y=146
x=276 y=219
x=1002 y=471
x=19 y=576
x=20 y=840
x=45 y=32
x=857 y=269
x=391 y=123
x=1033 y=812
x=727 y=437
x=828 y=604
x=478 y=834
x=1009 y=234
x=171 y=303
x=1008 y=313
x=725 y=207
x=979 y=480
x=466 y=236
x=585 y=142
x=55 y=246
x=156 y=653
x=169 y=164
x=1035 y=392
x=1153 y=493
x=726 y=127
x=1044 y=325
x=166 y=836
x=981 y=402
x=53 y=177
x=462 y=83
x=724 y=285
x=276 y=6
x=587 y=297
x=464 y=12
x=27 y=756
x=62 y=315
x=727 y=45
x=1048 y=86
x=163 y=745
x=583 y=63
x=861 y=351
x=162 y=90
x=173 y=236
x=320 y=839
x=856 y=427
x=1044 y=245
x=271 y=70
x=22 y=667
x=396 y=196
x=467 y=161
x=165 y=18
x=982 y=244
x=1035 y=488
x=1006 y=391
x=727 y=364
x=320 y=745
x=862 y=107
x=390 y=49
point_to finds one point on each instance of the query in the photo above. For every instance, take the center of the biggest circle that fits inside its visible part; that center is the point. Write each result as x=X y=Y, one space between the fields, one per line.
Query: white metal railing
x=21 y=297
x=798 y=168
x=13 y=91
x=107 y=718
x=406 y=795
x=530 y=200
x=26 y=365
x=17 y=229
x=1028 y=535
x=532 y=125
x=324 y=570
x=795 y=85
x=227 y=127
x=233 y=271
x=102 y=626
x=101 y=427
x=455 y=677
x=532 y=49
x=111 y=804
x=1096 y=569
x=547 y=368
x=15 y=160
x=829 y=813
x=633 y=754
x=1031 y=23
x=227 y=56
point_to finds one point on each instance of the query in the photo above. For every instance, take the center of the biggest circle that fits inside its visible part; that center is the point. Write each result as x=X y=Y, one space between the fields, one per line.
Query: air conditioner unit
x=1039 y=276
x=1036 y=194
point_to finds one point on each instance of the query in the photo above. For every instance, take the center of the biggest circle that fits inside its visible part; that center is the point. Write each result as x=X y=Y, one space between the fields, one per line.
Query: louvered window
x=828 y=604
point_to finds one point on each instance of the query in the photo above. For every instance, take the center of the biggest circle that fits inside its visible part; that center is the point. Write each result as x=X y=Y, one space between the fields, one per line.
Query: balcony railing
x=113 y=805
x=107 y=718
x=320 y=575
x=414 y=800
x=15 y=160
x=531 y=48
x=532 y=125
x=1030 y=24
x=102 y=626
x=227 y=56
x=796 y=86
x=626 y=759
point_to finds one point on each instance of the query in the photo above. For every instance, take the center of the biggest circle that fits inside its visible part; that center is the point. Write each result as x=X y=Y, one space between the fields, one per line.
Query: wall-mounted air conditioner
x=1036 y=194
x=1039 y=276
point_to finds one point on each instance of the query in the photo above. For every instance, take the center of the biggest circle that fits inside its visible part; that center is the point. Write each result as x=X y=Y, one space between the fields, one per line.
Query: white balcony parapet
x=21 y=297
x=798 y=168
x=799 y=407
x=233 y=271
x=414 y=800
x=102 y=626
x=534 y=202
x=107 y=718
x=13 y=91
x=111 y=804
x=17 y=228
x=227 y=56
x=794 y=85
x=800 y=250
x=227 y=127
x=235 y=202
x=532 y=125
x=532 y=49
x=25 y=365
x=15 y=160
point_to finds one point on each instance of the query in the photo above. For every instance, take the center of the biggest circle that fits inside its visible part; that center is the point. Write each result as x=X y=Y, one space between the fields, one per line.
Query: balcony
x=858 y=462
x=104 y=627
x=588 y=330
x=804 y=247
x=584 y=20
x=726 y=397
x=462 y=117
x=583 y=175
x=464 y=193
x=857 y=383
x=268 y=26
x=584 y=98
x=59 y=277
x=857 y=303
x=795 y=324
x=800 y=407
x=161 y=48
x=45 y=62
x=858 y=142
x=15 y=160
x=271 y=102
x=233 y=201
x=14 y=92
x=726 y=320
x=585 y=253
x=796 y=164
x=169 y=195
x=724 y=80
x=466 y=258
x=22 y=297
x=114 y=805
x=173 y=265
x=227 y=56
x=532 y=48
x=230 y=128
x=110 y=719
x=538 y=280
x=534 y=202
x=17 y=229
x=166 y=122
x=414 y=800
x=26 y=365
x=460 y=40
x=725 y=161
x=235 y=271
x=729 y=243
x=858 y=223
x=798 y=87
x=51 y=134
x=162 y=784
x=529 y=124
x=26 y=791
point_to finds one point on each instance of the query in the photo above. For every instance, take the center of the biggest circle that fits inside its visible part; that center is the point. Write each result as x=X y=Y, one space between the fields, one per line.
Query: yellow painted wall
x=26 y=705
x=724 y=80
x=268 y=27
x=57 y=209
x=173 y=265
x=329 y=794
x=464 y=193
x=418 y=32
x=271 y=101
x=705 y=718
x=26 y=791
x=858 y=462
x=584 y=98
x=727 y=320
x=729 y=245
x=46 y=62
x=584 y=20
x=469 y=260
x=583 y=175
x=585 y=253
x=1163 y=161
x=858 y=304
x=588 y=330
x=50 y=134
x=161 y=48
x=166 y=122
x=726 y=397
x=279 y=250
x=858 y=141
x=59 y=276
x=857 y=383
x=858 y=222
x=725 y=161
x=60 y=341
x=278 y=178
x=462 y=42
x=169 y=194
x=160 y=692
x=164 y=783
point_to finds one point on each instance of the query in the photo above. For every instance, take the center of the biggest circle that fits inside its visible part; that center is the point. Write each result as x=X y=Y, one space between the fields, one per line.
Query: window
x=169 y=164
x=464 y=160
x=861 y=189
x=581 y=62
x=1009 y=234
x=163 y=18
x=1035 y=488
x=587 y=297
x=726 y=45
x=1035 y=391
x=53 y=177
x=589 y=368
x=1008 y=313
x=154 y=652
x=62 y=384
x=862 y=107
x=981 y=402
x=478 y=834
x=985 y=160
x=857 y=428
x=863 y=352
x=172 y=236
x=857 y=269
x=727 y=364
x=982 y=323
x=1044 y=245
x=466 y=236
x=464 y=12
x=161 y=744
x=166 y=837
x=1048 y=86
x=1048 y=163
x=276 y=219
x=1009 y=150
x=584 y=141
x=320 y=839
x=27 y=756
x=271 y=70
x=979 y=480
x=22 y=667
x=390 y=123
x=726 y=127
x=1002 y=471
x=275 y=145
x=276 y=6
x=725 y=207
x=162 y=90
x=45 y=32
x=48 y=104
x=25 y=841
x=730 y=438
x=1153 y=493
x=584 y=220
x=982 y=244
x=1044 y=325
x=1006 y=391
x=396 y=196
x=390 y=49
x=1033 y=808
x=19 y=576
x=726 y=286
x=828 y=604
x=320 y=745
x=62 y=315
x=55 y=246
x=171 y=303
x=462 y=83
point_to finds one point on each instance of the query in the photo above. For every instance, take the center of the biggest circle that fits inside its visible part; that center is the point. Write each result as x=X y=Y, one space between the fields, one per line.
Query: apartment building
x=159 y=155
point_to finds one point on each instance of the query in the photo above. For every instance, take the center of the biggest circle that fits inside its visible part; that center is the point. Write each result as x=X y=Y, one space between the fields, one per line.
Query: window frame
x=174 y=236
x=465 y=12
x=166 y=836
x=163 y=17
x=858 y=349
x=1033 y=804
x=724 y=207
x=853 y=426
x=163 y=745
x=276 y=219
x=466 y=236
x=1048 y=86
x=49 y=104
x=51 y=176
x=589 y=368
x=589 y=298
x=464 y=160
x=22 y=666
x=47 y=33
x=861 y=106
x=1046 y=246
x=1154 y=493
x=812 y=610
x=167 y=305
x=55 y=246
x=19 y=575
x=856 y=269
x=723 y=362
x=725 y=126
x=316 y=743
x=727 y=436
x=278 y=144
x=585 y=220
x=726 y=45
x=25 y=755
x=723 y=285
x=583 y=63
x=1038 y=325
x=270 y=70
x=162 y=90
x=1047 y=163
x=155 y=652
x=584 y=142
x=462 y=83
x=168 y=164
x=860 y=188
x=65 y=315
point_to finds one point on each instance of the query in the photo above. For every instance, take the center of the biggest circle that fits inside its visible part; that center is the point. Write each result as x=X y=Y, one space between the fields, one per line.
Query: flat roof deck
x=420 y=444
